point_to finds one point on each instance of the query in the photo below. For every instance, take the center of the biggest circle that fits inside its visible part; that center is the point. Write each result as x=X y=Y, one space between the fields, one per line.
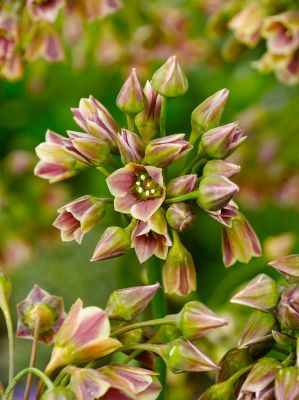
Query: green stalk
x=20 y=375
x=32 y=358
x=183 y=197
x=10 y=333
x=103 y=171
x=163 y=113
x=131 y=122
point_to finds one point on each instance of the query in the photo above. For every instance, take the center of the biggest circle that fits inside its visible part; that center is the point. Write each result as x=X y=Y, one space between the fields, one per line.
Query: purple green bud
x=259 y=325
x=288 y=266
x=182 y=185
x=288 y=308
x=181 y=216
x=131 y=98
x=221 y=167
x=95 y=151
x=287 y=384
x=114 y=242
x=130 y=147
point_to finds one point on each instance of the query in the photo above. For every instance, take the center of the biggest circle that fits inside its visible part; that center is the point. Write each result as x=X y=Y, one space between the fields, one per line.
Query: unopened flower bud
x=261 y=293
x=95 y=151
x=181 y=355
x=233 y=361
x=219 y=391
x=195 y=320
x=41 y=311
x=215 y=192
x=59 y=393
x=114 y=242
x=148 y=120
x=127 y=304
x=288 y=308
x=221 y=167
x=208 y=114
x=286 y=384
x=131 y=98
x=181 y=216
x=130 y=147
x=179 y=275
x=170 y=80
x=288 y=266
x=220 y=142
x=182 y=185
x=165 y=151
x=258 y=326
x=5 y=286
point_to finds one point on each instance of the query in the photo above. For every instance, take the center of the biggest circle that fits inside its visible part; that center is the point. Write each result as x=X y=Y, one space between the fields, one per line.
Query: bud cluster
x=135 y=160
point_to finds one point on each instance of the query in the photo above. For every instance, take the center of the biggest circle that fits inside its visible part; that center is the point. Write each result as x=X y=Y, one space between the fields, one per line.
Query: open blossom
x=151 y=237
x=44 y=43
x=139 y=190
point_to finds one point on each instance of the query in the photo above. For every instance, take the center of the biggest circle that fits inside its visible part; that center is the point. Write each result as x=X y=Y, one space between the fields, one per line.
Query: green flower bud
x=131 y=98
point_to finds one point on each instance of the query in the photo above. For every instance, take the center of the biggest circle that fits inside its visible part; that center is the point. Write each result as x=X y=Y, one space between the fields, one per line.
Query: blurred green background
x=30 y=248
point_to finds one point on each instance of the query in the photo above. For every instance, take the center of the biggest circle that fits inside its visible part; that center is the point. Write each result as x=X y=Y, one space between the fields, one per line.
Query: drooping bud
x=170 y=80
x=167 y=150
x=195 y=320
x=261 y=293
x=59 y=393
x=288 y=266
x=220 y=142
x=239 y=242
x=258 y=326
x=181 y=355
x=219 y=391
x=182 y=185
x=215 y=192
x=79 y=217
x=179 y=275
x=114 y=242
x=181 y=216
x=233 y=361
x=41 y=311
x=127 y=304
x=148 y=120
x=208 y=114
x=221 y=167
x=84 y=336
x=130 y=147
x=288 y=308
x=286 y=384
x=131 y=98
x=226 y=214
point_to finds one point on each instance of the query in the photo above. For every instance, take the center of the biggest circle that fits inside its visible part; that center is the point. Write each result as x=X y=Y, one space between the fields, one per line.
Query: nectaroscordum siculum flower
x=134 y=160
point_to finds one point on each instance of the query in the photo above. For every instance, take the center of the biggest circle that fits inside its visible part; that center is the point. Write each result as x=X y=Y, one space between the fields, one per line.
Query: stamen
x=138 y=183
x=153 y=191
x=142 y=177
x=140 y=190
x=147 y=193
x=148 y=184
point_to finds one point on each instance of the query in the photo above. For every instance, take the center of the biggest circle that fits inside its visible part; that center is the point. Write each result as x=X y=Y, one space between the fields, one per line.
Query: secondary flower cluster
x=265 y=363
x=255 y=21
x=151 y=204
x=85 y=335
x=27 y=30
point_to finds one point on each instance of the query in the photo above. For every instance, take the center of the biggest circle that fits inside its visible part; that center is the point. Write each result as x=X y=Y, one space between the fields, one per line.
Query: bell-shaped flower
x=139 y=190
x=44 y=10
x=195 y=320
x=167 y=150
x=84 y=336
x=287 y=384
x=220 y=142
x=148 y=120
x=259 y=384
x=281 y=32
x=215 y=192
x=240 y=242
x=181 y=216
x=208 y=114
x=40 y=311
x=95 y=119
x=288 y=308
x=131 y=98
x=79 y=217
x=221 y=167
x=259 y=325
x=130 y=146
x=261 y=293
x=182 y=185
x=288 y=266
x=55 y=162
x=127 y=304
x=151 y=237
x=170 y=80
x=9 y=37
x=44 y=43
x=226 y=214
x=114 y=242
x=247 y=24
x=97 y=10
x=59 y=393
x=179 y=274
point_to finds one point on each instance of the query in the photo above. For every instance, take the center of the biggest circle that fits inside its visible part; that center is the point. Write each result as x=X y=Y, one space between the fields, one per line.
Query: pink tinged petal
x=156 y=174
x=114 y=242
x=79 y=206
x=259 y=325
x=145 y=247
x=70 y=325
x=286 y=384
x=288 y=265
x=162 y=246
x=182 y=185
x=53 y=50
x=78 y=235
x=141 y=228
x=121 y=181
x=227 y=254
x=96 y=349
x=261 y=375
x=124 y=204
x=256 y=246
x=53 y=153
x=87 y=384
x=53 y=172
x=143 y=210
x=68 y=235
x=53 y=137
x=157 y=222
x=140 y=378
x=65 y=221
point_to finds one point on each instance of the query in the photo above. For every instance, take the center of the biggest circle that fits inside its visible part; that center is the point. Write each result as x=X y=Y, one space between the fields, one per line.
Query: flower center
x=145 y=187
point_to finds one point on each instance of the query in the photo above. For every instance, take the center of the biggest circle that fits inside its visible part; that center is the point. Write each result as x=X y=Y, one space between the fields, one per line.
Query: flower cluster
x=265 y=363
x=28 y=32
x=152 y=205
x=275 y=23
x=83 y=336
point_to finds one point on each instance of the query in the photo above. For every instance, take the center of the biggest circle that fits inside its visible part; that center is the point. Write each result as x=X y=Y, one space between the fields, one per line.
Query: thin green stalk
x=239 y=373
x=20 y=375
x=131 y=122
x=200 y=163
x=10 y=333
x=32 y=358
x=168 y=320
x=183 y=197
x=103 y=171
x=163 y=113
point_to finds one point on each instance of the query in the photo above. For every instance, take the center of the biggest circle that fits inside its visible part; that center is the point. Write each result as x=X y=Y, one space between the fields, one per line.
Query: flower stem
x=32 y=358
x=239 y=373
x=20 y=375
x=7 y=315
x=183 y=197
x=131 y=122
x=163 y=113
